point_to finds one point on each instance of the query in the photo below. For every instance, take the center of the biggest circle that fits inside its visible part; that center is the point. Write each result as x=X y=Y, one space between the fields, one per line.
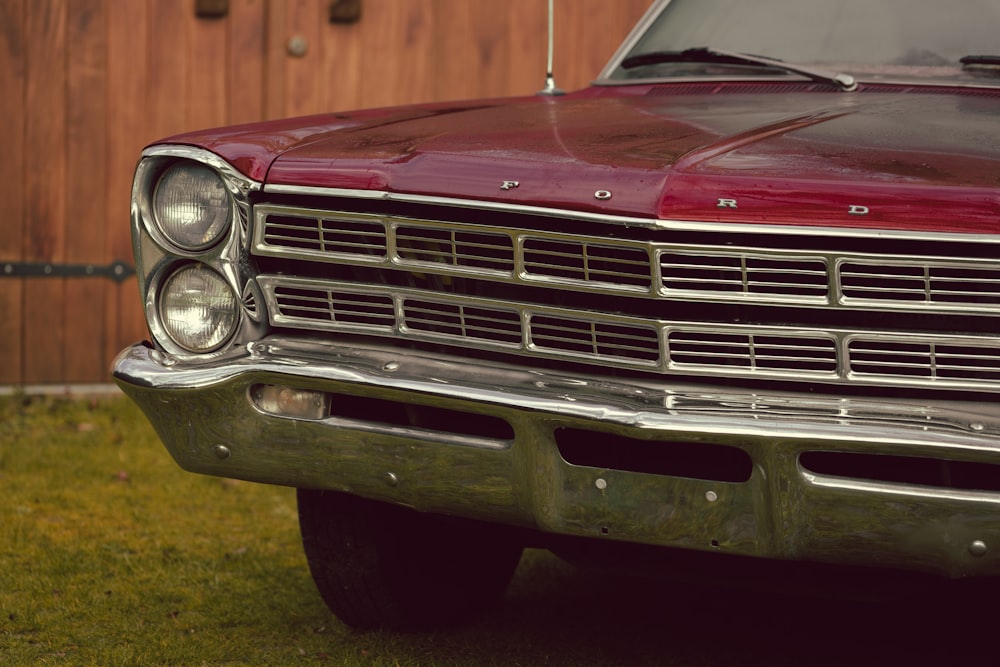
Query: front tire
x=381 y=566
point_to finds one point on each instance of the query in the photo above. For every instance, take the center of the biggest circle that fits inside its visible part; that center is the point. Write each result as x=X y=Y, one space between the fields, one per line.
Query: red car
x=739 y=298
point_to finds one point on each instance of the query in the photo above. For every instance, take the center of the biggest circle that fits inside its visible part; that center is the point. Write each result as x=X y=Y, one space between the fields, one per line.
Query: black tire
x=381 y=566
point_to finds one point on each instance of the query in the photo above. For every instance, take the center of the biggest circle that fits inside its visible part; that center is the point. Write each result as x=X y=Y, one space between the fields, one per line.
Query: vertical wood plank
x=245 y=74
x=168 y=52
x=86 y=160
x=12 y=116
x=472 y=46
x=303 y=90
x=274 y=71
x=528 y=35
x=404 y=73
x=128 y=120
x=341 y=61
x=571 y=46
x=206 y=70
x=45 y=196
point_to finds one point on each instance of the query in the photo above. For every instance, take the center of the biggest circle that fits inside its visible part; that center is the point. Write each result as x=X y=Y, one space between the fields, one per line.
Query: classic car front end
x=713 y=303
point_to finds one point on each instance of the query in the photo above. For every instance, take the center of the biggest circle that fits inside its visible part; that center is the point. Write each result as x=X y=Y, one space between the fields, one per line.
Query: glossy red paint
x=888 y=157
x=252 y=147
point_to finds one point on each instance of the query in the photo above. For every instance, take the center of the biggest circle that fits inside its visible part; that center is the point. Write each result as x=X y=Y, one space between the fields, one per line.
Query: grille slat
x=462 y=322
x=333 y=307
x=454 y=247
x=970 y=363
x=597 y=339
x=749 y=275
x=587 y=262
x=763 y=352
x=932 y=283
x=327 y=236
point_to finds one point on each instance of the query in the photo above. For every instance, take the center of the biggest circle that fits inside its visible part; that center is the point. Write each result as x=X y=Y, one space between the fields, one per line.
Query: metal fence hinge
x=345 y=11
x=211 y=9
x=118 y=271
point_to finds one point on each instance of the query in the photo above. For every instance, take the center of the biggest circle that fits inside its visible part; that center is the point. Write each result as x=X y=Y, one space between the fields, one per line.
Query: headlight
x=191 y=206
x=198 y=310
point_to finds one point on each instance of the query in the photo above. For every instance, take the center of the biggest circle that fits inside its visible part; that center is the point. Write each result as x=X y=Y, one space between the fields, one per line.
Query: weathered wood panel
x=246 y=55
x=341 y=64
x=471 y=49
x=12 y=90
x=85 y=84
x=45 y=176
x=395 y=59
x=207 y=70
x=129 y=127
x=303 y=86
x=86 y=215
x=527 y=35
x=167 y=54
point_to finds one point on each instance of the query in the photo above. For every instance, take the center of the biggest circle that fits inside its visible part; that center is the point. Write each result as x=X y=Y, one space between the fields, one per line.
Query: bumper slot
x=920 y=471
x=431 y=418
x=693 y=460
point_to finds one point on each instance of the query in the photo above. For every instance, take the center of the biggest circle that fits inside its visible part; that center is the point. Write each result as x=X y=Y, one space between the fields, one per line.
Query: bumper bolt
x=221 y=452
x=391 y=479
x=978 y=548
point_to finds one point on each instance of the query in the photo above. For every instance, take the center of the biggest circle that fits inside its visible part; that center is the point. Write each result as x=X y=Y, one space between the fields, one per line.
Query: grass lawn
x=111 y=555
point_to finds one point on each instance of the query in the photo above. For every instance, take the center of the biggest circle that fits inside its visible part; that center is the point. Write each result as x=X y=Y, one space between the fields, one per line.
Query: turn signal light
x=290 y=402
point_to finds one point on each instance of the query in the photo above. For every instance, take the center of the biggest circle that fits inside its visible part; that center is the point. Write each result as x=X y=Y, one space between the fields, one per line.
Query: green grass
x=111 y=555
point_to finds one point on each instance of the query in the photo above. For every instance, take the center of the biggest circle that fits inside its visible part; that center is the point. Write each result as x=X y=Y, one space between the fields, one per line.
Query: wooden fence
x=85 y=84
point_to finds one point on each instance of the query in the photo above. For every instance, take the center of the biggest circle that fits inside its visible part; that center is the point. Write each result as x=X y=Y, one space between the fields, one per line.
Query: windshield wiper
x=989 y=61
x=703 y=54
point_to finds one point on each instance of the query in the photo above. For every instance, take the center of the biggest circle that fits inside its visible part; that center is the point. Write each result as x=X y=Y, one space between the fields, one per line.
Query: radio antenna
x=550 y=82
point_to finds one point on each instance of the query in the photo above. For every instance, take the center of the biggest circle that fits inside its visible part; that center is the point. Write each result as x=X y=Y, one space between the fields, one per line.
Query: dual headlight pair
x=191 y=213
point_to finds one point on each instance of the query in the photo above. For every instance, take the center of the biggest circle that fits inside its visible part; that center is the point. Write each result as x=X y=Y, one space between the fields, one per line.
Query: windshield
x=870 y=39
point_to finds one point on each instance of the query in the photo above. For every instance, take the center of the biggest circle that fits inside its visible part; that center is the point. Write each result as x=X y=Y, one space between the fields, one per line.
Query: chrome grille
x=353 y=308
x=327 y=235
x=626 y=332
x=453 y=247
x=622 y=266
x=708 y=348
x=460 y=322
x=594 y=339
x=667 y=347
x=934 y=283
x=971 y=362
x=587 y=262
x=694 y=273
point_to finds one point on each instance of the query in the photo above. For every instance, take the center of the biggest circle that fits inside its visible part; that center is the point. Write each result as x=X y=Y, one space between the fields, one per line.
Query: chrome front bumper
x=206 y=415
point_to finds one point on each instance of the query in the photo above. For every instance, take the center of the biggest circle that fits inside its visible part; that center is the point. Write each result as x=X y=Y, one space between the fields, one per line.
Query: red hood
x=916 y=160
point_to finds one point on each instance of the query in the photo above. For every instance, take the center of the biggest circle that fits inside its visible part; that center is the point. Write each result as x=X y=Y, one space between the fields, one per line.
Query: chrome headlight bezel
x=158 y=161
x=158 y=257
x=190 y=206
x=220 y=322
